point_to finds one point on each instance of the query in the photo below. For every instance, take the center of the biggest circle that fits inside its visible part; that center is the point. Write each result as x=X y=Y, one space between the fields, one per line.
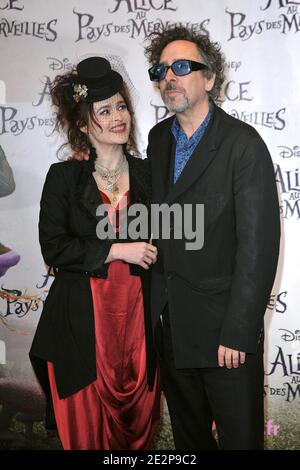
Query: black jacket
x=218 y=294
x=67 y=228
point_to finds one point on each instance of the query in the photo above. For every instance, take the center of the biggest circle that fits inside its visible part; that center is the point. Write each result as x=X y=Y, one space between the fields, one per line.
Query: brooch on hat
x=80 y=92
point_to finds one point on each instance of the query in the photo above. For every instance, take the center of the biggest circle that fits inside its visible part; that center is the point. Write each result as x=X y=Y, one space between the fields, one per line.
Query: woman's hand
x=79 y=156
x=141 y=253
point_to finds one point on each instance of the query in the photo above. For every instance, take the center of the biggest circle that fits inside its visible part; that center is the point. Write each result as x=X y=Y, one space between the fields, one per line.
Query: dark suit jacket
x=218 y=294
x=67 y=228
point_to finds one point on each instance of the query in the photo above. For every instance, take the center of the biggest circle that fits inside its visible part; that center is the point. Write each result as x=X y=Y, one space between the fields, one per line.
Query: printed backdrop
x=40 y=39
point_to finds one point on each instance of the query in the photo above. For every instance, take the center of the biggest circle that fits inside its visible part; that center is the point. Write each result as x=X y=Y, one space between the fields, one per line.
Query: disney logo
x=288 y=152
x=57 y=64
x=289 y=335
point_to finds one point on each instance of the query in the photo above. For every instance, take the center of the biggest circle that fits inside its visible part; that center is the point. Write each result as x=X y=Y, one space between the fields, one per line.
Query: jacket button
x=170 y=276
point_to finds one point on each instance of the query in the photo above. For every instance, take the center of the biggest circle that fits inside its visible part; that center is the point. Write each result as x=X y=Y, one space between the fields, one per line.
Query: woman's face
x=112 y=124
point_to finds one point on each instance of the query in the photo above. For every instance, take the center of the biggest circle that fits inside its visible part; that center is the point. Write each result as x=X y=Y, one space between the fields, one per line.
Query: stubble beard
x=180 y=108
x=171 y=102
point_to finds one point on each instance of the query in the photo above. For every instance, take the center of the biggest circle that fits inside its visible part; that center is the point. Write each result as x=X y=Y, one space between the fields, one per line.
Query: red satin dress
x=117 y=411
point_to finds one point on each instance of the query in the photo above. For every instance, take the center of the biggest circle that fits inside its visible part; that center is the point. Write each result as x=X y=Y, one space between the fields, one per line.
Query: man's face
x=181 y=94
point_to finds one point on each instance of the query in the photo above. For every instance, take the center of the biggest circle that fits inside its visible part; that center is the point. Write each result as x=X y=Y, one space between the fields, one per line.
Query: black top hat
x=96 y=81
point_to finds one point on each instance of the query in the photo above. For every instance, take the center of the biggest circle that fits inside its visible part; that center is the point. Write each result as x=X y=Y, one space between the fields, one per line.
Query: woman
x=100 y=377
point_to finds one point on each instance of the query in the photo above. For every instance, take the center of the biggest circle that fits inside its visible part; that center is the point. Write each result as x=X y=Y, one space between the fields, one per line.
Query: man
x=208 y=304
x=8 y=258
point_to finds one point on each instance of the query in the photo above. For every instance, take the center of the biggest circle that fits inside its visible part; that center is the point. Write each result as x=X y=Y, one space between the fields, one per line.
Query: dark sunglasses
x=180 y=68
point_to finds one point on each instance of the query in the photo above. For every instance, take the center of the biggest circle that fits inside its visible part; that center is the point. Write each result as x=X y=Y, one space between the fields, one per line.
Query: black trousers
x=233 y=398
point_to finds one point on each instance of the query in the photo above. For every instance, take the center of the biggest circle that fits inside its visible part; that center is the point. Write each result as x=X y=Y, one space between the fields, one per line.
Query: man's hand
x=230 y=357
x=79 y=156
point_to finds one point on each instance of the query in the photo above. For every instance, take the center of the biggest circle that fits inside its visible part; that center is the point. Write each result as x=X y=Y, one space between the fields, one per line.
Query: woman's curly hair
x=71 y=115
x=210 y=52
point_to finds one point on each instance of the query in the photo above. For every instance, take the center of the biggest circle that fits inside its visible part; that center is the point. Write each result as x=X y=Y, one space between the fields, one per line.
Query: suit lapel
x=88 y=192
x=90 y=197
x=138 y=188
x=197 y=164
x=162 y=165
x=201 y=158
